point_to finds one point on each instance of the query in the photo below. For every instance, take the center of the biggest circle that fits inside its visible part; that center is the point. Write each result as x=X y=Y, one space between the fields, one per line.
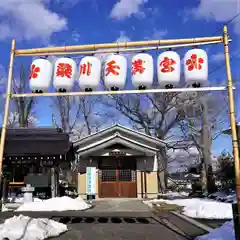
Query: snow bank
x=222 y=196
x=171 y=194
x=55 y=204
x=200 y=208
x=225 y=232
x=25 y=228
x=21 y=199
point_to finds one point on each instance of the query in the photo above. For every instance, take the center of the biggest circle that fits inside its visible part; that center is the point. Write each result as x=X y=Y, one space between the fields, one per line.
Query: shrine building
x=125 y=163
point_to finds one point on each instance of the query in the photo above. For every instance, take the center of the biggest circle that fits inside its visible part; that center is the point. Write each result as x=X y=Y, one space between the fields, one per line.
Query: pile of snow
x=223 y=197
x=55 y=204
x=21 y=199
x=5 y=208
x=171 y=194
x=199 y=208
x=225 y=232
x=25 y=228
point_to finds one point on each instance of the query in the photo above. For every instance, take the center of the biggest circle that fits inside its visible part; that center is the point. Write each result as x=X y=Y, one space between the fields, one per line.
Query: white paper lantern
x=196 y=67
x=169 y=69
x=115 y=72
x=142 y=71
x=90 y=73
x=65 y=70
x=41 y=75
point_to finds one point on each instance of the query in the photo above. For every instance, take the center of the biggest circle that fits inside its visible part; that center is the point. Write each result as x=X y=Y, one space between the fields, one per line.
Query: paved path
x=119 y=205
x=128 y=219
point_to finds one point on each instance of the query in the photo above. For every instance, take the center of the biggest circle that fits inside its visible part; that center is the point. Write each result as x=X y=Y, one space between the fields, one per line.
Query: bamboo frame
x=8 y=97
x=174 y=43
x=232 y=116
x=123 y=49
x=118 y=45
x=56 y=94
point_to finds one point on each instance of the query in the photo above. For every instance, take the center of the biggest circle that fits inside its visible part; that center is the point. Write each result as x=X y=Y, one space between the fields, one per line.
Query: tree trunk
x=162 y=170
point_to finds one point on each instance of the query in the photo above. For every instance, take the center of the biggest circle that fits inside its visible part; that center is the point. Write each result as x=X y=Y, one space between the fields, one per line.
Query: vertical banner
x=91 y=181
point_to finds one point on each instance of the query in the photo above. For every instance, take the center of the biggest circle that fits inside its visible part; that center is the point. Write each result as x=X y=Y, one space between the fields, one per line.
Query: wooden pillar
x=142 y=184
x=145 y=184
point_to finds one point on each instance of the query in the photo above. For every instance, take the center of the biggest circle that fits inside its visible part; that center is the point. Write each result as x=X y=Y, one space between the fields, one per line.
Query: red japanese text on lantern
x=194 y=62
x=64 y=70
x=86 y=68
x=137 y=66
x=111 y=67
x=167 y=65
x=34 y=71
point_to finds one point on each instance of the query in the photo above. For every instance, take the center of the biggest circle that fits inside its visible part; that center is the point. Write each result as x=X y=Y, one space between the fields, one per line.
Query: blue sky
x=38 y=23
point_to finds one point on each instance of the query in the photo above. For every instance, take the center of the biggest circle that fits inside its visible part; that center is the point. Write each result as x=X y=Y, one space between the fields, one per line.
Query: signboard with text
x=91 y=181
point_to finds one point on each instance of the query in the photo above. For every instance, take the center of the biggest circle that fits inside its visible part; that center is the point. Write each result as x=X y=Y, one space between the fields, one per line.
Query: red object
x=137 y=66
x=64 y=70
x=167 y=65
x=85 y=68
x=34 y=71
x=194 y=62
x=111 y=68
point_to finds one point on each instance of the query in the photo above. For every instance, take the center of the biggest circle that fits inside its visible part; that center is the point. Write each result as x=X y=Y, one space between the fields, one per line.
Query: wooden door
x=117 y=177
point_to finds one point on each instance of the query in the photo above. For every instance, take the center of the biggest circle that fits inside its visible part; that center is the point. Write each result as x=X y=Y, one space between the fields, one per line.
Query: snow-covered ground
x=199 y=208
x=225 y=232
x=223 y=197
x=171 y=194
x=21 y=199
x=55 y=204
x=206 y=209
x=26 y=228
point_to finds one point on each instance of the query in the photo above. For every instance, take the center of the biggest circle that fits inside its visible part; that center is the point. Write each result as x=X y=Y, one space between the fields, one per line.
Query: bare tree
x=208 y=113
x=80 y=116
x=23 y=107
x=160 y=115
x=67 y=112
x=154 y=114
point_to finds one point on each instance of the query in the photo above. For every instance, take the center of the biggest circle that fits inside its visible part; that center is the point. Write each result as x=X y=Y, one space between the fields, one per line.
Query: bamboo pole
x=232 y=115
x=118 y=45
x=124 y=49
x=8 y=98
x=56 y=94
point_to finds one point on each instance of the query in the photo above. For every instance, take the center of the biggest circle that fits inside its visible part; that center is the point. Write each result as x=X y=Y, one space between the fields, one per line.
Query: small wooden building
x=126 y=163
x=32 y=154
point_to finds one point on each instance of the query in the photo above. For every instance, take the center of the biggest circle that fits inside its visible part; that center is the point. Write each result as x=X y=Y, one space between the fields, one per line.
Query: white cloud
x=76 y=36
x=179 y=157
x=126 y=8
x=29 y=19
x=218 y=10
x=3 y=77
x=157 y=34
x=122 y=38
x=218 y=57
x=66 y=4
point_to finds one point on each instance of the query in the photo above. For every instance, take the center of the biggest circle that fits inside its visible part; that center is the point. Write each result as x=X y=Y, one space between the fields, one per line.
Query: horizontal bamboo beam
x=95 y=47
x=123 y=49
x=16 y=183
x=57 y=94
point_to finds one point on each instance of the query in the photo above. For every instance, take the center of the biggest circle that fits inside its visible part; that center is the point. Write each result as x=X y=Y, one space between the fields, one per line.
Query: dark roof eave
x=36 y=141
